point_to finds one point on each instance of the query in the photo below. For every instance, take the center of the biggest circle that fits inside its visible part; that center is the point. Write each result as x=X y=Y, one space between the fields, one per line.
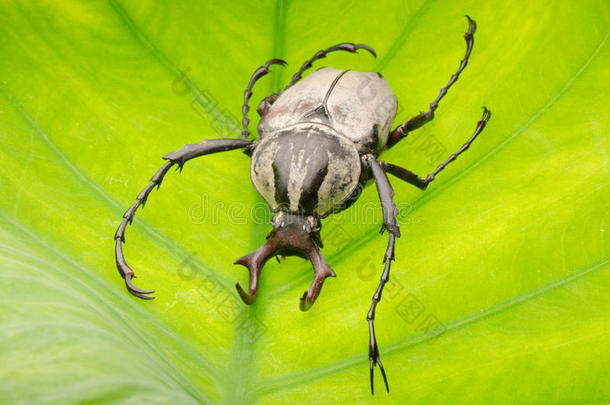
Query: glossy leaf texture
x=500 y=289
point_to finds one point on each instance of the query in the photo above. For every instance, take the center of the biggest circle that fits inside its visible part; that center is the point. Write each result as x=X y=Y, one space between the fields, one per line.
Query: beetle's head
x=292 y=235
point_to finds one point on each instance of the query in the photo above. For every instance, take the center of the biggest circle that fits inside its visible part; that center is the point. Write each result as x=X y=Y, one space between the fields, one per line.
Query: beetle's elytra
x=317 y=146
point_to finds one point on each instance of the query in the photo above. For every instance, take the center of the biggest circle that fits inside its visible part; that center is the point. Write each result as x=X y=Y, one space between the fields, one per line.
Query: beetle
x=317 y=147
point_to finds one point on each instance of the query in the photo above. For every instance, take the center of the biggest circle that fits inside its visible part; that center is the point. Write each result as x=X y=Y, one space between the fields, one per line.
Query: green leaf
x=499 y=291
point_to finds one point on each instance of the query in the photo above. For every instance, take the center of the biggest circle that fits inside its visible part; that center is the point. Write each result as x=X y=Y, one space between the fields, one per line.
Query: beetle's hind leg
x=423 y=118
x=422 y=183
x=258 y=73
x=174 y=158
x=347 y=46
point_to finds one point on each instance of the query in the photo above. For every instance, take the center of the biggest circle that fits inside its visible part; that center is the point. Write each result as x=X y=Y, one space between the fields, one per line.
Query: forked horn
x=293 y=235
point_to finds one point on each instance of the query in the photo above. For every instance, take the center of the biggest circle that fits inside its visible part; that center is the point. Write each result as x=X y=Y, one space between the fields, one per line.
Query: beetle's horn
x=254 y=262
x=321 y=271
x=293 y=235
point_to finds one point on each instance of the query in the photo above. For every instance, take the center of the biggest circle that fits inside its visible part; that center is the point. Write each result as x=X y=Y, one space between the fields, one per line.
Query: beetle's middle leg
x=422 y=118
x=386 y=194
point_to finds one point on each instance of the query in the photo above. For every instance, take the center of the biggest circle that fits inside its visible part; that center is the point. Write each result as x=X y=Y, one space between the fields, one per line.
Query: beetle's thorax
x=306 y=169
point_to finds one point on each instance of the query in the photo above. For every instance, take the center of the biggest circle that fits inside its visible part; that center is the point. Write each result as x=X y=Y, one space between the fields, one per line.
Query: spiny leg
x=386 y=194
x=422 y=183
x=424 y=117
x=175 y=158
x=258 y=73
x=348 y=46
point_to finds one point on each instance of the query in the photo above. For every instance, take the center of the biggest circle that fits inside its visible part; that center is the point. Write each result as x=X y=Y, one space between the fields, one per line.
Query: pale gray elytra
x=317 y=147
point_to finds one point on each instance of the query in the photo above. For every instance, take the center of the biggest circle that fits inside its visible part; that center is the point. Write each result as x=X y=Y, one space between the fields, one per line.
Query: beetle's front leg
x=178 y=157
x=258 y=73
x=386 y=194
x=401 y=131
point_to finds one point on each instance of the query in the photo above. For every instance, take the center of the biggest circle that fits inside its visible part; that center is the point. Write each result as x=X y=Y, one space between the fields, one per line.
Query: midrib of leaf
x=438 y=190
x=279 y=44
x=406 y=32
x=399 y=347
x=144 y=41
x=238 y=387
x=242 y=359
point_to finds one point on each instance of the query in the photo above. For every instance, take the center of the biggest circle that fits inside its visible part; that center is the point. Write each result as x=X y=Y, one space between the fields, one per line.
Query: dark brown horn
x=293 y=235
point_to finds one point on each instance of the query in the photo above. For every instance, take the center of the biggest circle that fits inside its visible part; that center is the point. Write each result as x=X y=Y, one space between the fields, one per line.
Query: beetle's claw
x=138 y=292
x=281 y=62
x=367 y=48
x=472 y=27
x=375 y=360
x=486 y=114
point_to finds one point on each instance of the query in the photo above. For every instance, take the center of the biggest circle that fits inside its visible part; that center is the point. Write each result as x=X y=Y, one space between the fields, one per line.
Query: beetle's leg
x=348 y=46
x=422 y=183
x=258 y=73
x=422 y=118
x=175 y=158
x=386 y=194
